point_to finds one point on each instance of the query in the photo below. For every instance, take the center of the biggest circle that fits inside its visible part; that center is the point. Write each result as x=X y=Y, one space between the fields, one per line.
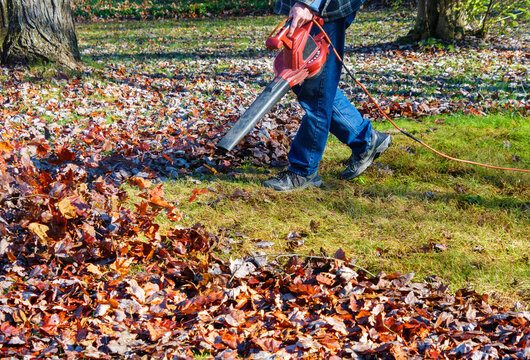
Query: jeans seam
x=315 y=128
x=352 y=129
x=303 y=157
x=322 y=87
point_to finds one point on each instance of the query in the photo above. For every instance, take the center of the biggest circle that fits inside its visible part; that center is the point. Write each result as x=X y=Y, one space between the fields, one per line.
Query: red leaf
x=51 y=322
x=64 y=154
x=8 y=330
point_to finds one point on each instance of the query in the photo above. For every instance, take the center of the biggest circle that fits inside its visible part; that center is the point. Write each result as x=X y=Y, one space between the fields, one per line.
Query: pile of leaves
x=144 y=130
x=82 y=274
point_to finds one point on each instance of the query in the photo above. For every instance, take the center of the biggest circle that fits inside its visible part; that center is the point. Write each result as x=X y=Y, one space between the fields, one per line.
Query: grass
x=427 y=74
x=422 y=214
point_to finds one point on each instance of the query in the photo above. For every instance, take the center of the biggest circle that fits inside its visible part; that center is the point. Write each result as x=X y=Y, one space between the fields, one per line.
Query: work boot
x=359 y=162
x=288 y=180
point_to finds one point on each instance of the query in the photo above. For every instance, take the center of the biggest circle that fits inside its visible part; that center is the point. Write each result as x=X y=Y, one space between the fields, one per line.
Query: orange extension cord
x=395 y=125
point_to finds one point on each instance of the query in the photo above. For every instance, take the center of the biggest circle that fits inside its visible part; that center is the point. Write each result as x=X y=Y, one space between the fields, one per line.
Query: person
x=326 y=108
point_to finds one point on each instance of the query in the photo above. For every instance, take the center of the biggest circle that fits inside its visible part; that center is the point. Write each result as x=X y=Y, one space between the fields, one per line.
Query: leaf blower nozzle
x=302 y=57
x=259 y=108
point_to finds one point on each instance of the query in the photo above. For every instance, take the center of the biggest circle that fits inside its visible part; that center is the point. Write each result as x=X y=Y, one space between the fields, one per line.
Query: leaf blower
x=303 y=57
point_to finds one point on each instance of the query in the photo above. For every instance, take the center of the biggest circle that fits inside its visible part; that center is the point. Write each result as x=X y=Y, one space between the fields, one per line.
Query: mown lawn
x=410 y=212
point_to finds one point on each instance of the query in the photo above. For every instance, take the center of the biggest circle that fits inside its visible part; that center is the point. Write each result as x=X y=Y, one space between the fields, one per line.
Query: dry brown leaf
x=141 y=182
x=41 y=231
x=66 y=208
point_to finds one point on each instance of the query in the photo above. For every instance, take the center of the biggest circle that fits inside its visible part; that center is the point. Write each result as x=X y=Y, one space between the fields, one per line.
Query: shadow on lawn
x=227 y=52
x=456 y=87
x=467 y=201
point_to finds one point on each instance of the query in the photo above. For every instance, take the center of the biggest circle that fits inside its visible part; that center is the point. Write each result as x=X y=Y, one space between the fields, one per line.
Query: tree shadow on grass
x=228 y=53
x=455 y=87
x=466 y=201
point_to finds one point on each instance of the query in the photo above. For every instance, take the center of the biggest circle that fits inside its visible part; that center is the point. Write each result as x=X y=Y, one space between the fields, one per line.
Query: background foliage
x=483 y=14
x=142 y=9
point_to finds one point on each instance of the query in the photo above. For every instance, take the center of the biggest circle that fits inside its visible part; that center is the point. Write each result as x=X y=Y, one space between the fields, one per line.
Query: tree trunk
x=440 y=19
x=3 y=14
x=40 y=30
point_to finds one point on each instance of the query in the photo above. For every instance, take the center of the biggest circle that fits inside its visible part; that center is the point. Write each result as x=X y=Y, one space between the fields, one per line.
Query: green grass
x=460 y=73
x=477 y=218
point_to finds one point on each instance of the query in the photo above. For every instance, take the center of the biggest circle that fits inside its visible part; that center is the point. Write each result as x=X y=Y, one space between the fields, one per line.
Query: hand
x=301 y=15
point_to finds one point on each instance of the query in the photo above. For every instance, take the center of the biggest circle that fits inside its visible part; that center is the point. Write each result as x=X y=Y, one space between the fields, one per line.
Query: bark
x=40 y=30
x=3 y=14
x=451 y=22
x=440 y=19
x=426 y=16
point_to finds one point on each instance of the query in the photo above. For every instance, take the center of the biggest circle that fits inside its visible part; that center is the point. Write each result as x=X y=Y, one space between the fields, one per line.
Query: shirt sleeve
x=313 y=4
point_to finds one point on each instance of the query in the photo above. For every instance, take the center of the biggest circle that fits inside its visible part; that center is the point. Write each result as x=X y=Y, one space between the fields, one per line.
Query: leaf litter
x=85 y=275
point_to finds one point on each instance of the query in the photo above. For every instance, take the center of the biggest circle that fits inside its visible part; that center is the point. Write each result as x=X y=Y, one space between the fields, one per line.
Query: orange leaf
x=325 y=279
x=141 y=182
x=210 y=168
x=168 y=158
x=174 y=214
x=5 y=147
x=158 y=201
x=50 y=324
x=398 y=352
x=156 y=195
x=8 y=330
x=196 y=192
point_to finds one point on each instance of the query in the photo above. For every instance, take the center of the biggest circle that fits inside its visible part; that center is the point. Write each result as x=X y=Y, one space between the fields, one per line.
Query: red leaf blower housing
x=303 y=56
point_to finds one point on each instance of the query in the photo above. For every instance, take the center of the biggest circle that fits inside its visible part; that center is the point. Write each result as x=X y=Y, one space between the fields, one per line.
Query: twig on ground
x=321 y=257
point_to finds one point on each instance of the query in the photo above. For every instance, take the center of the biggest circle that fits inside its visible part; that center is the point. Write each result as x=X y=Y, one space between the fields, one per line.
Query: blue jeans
x=327 y=110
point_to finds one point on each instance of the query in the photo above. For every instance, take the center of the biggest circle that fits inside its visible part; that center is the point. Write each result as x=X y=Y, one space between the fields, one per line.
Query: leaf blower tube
x=276 y=89
x=303 y=56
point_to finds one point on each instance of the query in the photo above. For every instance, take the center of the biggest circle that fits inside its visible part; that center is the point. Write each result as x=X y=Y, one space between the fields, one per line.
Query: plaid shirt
x=330 y=10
